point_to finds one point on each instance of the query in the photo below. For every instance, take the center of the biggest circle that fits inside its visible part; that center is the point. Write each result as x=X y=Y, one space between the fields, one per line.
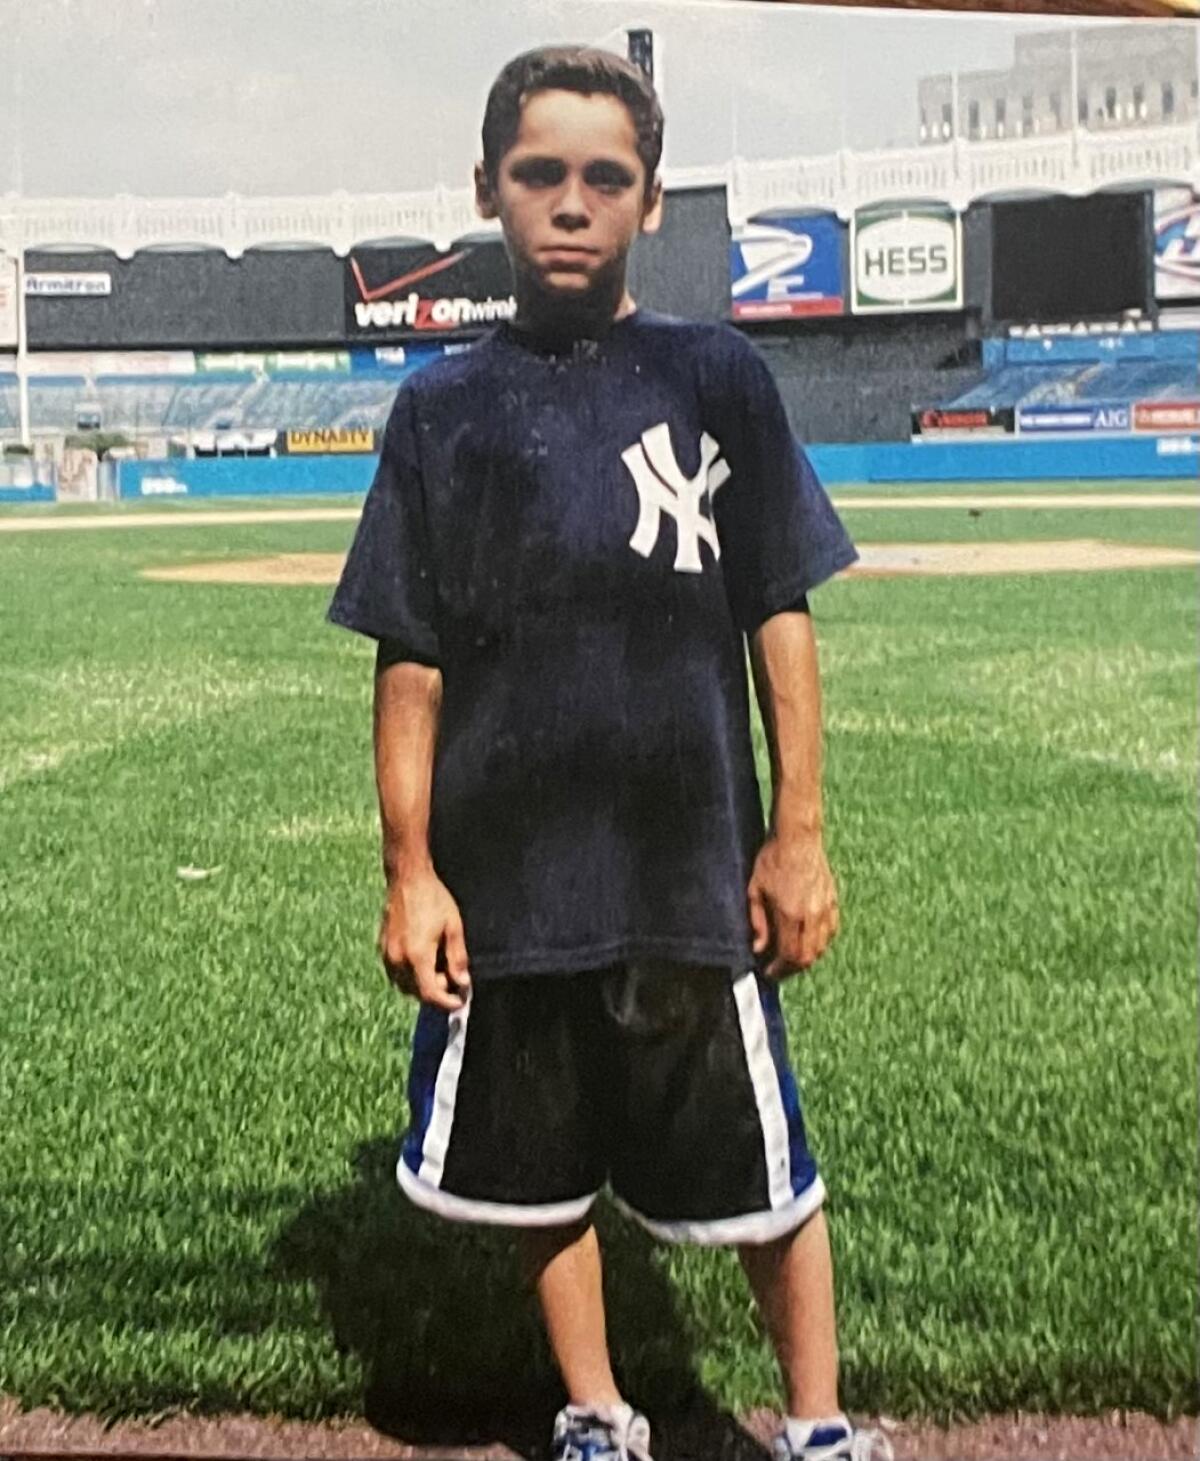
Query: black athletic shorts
x=669 y=1083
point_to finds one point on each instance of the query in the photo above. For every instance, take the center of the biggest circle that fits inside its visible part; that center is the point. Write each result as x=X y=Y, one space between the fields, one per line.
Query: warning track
x=179 y=519
x=845 y=502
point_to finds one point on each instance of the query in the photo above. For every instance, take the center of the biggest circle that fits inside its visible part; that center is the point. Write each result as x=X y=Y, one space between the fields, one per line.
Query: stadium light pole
x=1074 y=98
x=19 y=251
x=620 y=39
x=22 y=354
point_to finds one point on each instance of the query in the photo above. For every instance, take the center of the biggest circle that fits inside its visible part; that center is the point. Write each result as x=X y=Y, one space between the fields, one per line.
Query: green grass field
x=203 y=1082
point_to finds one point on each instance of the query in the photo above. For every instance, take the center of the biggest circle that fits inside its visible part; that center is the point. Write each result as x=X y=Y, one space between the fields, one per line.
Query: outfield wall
x=836 y=465
x=25 y=481
x=1008 y=461
x=245 y=477
x=27 y=494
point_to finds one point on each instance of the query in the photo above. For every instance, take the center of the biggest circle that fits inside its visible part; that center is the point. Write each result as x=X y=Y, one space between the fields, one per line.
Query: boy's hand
x=793 y=903
x=421 y=917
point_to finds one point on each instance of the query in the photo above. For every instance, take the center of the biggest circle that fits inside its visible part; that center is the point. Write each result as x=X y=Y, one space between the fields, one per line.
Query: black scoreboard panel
x=1066 y=258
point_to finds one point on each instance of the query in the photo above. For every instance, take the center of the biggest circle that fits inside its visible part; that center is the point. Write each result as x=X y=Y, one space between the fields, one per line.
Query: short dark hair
x=584 y=69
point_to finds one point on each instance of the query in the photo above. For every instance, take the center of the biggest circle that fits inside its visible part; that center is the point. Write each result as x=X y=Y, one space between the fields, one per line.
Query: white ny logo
x=662 y=487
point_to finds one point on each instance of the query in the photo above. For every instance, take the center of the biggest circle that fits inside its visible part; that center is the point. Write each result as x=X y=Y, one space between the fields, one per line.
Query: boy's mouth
x=566 y=253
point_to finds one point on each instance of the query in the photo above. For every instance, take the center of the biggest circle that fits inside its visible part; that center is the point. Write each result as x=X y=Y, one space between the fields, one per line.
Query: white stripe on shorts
x=765 y=1080
x=747 y=1227
x=445 y=1093
x=477 y=1210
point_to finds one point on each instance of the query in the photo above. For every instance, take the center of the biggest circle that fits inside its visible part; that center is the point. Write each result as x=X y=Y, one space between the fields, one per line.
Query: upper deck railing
x=957 y=172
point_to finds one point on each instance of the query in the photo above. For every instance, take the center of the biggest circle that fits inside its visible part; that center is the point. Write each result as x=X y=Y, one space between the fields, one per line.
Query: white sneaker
x=600 y=1433
x=829 y=1440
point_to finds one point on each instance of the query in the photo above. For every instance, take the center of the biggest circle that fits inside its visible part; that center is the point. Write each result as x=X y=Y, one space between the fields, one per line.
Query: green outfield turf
x=202 y=1081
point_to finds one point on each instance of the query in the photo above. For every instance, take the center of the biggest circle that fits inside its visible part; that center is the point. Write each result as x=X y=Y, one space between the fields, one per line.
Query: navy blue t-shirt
x=579 y=537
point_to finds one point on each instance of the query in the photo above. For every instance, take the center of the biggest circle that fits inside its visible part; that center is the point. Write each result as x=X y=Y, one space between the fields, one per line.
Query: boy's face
x=571 y=194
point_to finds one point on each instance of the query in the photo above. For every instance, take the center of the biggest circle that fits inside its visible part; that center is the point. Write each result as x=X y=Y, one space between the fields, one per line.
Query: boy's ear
x=485 y=199
x=652 y=212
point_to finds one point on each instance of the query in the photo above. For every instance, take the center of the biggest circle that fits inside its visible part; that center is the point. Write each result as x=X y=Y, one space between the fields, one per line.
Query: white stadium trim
x=1073 y=162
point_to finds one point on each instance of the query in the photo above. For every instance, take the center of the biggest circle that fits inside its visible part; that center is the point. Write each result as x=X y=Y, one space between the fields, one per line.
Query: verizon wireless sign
x=906 y=259
x=405 y=292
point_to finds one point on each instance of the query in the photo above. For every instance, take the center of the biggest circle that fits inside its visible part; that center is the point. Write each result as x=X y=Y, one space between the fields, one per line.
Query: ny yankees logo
x=662 y=487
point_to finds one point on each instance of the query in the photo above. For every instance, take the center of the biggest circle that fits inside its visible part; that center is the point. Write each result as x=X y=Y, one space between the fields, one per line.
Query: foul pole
x=22 y=355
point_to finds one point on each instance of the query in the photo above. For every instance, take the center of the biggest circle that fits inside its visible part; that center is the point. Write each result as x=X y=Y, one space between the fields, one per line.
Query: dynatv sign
x=906 y=258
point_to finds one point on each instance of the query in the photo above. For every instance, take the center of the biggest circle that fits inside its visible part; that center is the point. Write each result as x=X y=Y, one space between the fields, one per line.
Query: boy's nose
x=572 y=203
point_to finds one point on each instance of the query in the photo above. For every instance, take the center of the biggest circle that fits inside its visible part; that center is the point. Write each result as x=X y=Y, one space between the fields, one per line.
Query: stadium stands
x=857 y=379
x=144 y=404
x=843 y=382
x=1026 y=385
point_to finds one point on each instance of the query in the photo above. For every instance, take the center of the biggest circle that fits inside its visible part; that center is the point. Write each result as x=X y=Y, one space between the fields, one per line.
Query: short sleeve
x=779 y=533
x=387 y=587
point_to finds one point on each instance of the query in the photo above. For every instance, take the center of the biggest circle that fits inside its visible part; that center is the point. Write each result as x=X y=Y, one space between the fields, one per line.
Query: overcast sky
x=201 y=97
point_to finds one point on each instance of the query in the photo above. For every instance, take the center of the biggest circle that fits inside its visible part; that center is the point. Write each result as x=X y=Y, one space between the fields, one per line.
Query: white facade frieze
x=958 y=172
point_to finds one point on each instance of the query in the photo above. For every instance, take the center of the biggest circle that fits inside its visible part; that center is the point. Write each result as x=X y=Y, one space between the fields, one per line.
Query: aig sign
x=906 y=259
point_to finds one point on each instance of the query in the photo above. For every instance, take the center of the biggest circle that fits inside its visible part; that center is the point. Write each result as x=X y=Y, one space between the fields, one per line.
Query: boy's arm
x=792 y=894
x=420 y=913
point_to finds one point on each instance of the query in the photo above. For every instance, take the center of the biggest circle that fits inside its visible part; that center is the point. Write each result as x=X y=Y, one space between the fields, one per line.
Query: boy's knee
x=540 y=1246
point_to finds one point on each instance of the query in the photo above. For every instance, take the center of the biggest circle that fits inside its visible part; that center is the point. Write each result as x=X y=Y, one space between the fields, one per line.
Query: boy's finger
x=440 y=992
x=759 y=923
x=456 y=953
x=433 y=987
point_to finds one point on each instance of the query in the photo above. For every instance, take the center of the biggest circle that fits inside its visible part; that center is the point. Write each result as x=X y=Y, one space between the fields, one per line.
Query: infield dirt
x=877 y=560
x=1118 y=1436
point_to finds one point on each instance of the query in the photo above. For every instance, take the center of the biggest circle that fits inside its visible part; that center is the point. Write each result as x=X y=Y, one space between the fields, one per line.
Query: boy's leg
x=792 y=1280
x=563 y=1264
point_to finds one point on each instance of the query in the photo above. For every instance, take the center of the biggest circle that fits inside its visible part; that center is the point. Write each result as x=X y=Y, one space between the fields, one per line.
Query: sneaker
x=600 y=1433
x=830 y=1440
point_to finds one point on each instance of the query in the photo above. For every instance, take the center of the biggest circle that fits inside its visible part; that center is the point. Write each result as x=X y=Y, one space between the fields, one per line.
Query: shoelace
x=870 y=1446
x=621 y=1442
x=864 y=1446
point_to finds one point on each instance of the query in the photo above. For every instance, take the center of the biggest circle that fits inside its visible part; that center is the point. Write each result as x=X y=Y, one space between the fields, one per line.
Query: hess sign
x=906 y=259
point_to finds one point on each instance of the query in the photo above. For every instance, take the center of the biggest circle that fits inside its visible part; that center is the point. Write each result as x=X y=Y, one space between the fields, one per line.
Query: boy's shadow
x=449 y=1338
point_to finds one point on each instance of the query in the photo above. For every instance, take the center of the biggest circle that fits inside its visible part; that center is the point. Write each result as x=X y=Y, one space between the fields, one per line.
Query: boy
x=572 y=527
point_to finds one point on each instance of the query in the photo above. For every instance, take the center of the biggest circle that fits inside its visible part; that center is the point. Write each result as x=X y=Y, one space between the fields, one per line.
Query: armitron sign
x=324 y=440
x=906 y=259
x=83 y=285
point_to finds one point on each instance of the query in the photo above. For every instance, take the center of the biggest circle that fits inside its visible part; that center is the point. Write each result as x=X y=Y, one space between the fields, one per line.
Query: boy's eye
x=608 y=177
x=545 y=172
x=539 y=173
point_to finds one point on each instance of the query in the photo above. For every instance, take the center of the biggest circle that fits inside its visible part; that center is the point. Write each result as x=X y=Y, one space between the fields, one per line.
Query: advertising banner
x=413 y=291
x=1176 y=244
x=328 y=361
x=239 y=361
x=274 y=362
x=787 y=267
x=8 y=301
x=402 y=360
x=94 y=363
x=906 y=258
x=963 y=422
x=1078 y=416
x=1166 y=416
x=327 y=439
x=92 y=283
